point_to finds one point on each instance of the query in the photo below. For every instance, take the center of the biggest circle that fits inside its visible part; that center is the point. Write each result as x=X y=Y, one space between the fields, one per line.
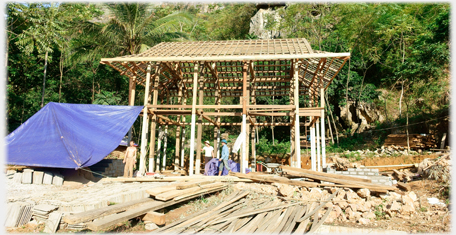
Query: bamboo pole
x=200 y=127
x=192 y=129
x=131 y=99
x=159 y=144
x=312 y=138
x=244 y=118
x=145 y=122
x=184 y=100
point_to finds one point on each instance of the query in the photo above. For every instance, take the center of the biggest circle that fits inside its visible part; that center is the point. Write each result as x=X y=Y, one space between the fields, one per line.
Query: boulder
x=332 y=217
x=407 y=209
x=413 y=196
x=352 y=196
x=406 y=200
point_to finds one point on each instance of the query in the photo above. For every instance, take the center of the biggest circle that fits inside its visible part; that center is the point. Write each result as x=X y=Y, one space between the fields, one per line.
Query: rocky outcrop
x=359 y=117
x=265 y=24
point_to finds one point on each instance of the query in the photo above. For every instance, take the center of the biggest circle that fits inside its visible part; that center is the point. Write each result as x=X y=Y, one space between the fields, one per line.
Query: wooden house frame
x=246 y=69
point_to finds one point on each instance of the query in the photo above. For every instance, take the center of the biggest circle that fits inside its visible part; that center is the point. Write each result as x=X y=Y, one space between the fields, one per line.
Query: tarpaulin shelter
x=69 y=135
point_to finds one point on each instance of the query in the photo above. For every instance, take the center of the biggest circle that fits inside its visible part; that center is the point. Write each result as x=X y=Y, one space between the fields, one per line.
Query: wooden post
x=292 y=158
x=317 y=129
x=200 y=125
x=178 y=128
x=244 y=117
x=142 y=158
x=297 y=132
x=131 y=99
x=159 y=144
x=192 y=129
x=165 y=144
x=323 y=136
x=252 y=135
x=153 y=124
x=312 y=138
x=184 y=101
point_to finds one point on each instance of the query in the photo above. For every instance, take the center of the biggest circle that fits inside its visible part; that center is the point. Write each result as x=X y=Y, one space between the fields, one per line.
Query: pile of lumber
x=107 y=218
x=317 y=179
x=416 y=141
x=241 y=215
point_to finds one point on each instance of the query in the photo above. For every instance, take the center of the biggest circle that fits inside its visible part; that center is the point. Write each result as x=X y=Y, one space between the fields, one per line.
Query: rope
x=94 y=172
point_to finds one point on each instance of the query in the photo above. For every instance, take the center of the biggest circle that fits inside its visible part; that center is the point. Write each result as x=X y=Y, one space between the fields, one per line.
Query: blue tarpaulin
x=69 y=135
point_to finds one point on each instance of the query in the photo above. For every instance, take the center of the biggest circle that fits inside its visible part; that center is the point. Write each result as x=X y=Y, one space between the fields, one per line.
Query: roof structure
x=270 y=65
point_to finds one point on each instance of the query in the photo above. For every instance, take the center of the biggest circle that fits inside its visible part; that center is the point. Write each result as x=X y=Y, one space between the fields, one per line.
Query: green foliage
x=265 y=147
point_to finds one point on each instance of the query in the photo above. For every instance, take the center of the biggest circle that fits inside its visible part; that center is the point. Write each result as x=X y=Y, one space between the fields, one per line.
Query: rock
x=406 y=200
x=352 y=196
x=259 y=21
x=338 y=211
x=363 y=221
x=394 y=206
x=151 y=226
x=332 y=217
x=352 y=215
x=315 y=194
x=363 y=193
x=368 y=215
x=286 y=190
x=413 y=196
x=407 y=209
x=341 y=204
x=328 y=205
x=32 y=224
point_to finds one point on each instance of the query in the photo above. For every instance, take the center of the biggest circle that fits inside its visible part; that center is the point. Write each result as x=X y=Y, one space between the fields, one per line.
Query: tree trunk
x=61 y=74
x=400 y=99
x=44 y=79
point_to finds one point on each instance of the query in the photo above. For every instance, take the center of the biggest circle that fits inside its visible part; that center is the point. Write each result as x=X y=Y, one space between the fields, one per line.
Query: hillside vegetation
x=399 y=63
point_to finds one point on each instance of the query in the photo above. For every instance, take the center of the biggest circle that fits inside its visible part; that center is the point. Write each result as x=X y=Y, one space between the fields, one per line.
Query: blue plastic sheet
x=69 y=135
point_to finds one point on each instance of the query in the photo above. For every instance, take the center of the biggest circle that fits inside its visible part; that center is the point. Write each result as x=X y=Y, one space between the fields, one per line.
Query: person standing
x=208 y=152
x=224 y=158
x=129 y=160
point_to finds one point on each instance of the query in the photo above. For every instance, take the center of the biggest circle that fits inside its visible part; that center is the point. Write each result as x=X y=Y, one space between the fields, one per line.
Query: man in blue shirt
x=224 y=158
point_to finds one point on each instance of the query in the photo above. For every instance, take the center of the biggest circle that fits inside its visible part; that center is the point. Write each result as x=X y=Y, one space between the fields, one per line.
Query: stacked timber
x=241 y=215
x=317 y=179
x=416 y=141
x=107 y=218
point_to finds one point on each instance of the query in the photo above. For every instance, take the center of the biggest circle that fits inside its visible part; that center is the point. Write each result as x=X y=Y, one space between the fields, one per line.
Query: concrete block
x=27 y=175
x=351 y=169
x=374 y=170
x=10 y=172
x=38 y=177
x=352 y=172
x=359 y=169
x=57 y=180
x=370 y=173
x=17 y=177
x=345 y=172
x=47 y=178
x=361 y=172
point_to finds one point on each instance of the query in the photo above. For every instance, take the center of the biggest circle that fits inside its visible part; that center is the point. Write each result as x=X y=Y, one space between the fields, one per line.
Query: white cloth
x=237 y=145
x=208 y=151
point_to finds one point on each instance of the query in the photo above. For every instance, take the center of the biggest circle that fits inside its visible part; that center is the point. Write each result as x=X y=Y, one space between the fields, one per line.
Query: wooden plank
x=404 y=186
x=300 y=211
x=193 y=184
x=155 y=217
x=104 y=211
x=285 y=168
x=302 y=227
x=281 y=180
x=175 y=193
x=112 y=220
x=202 y=191
x=275 y=215
x=287 y=219
x=350 y=184
x=159 y=190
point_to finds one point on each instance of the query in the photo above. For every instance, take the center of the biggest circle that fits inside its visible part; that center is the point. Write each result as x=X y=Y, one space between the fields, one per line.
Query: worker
x=224 y=158
x=208 y=153
x=130 y=160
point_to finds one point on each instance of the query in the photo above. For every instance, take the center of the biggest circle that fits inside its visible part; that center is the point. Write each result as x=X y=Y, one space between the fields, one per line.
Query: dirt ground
x=427 y=219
